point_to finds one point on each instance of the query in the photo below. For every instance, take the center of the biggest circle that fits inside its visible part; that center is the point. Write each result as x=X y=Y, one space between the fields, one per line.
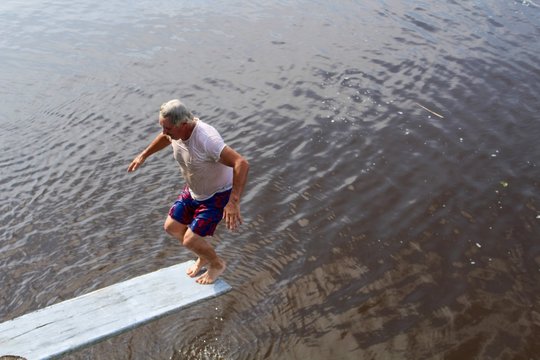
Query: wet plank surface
x=75 y=323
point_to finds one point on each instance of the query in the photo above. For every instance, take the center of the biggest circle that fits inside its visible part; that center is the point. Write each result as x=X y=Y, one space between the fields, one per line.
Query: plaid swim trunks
x=202 y=217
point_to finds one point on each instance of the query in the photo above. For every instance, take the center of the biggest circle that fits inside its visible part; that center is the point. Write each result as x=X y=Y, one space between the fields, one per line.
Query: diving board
x=87 y=319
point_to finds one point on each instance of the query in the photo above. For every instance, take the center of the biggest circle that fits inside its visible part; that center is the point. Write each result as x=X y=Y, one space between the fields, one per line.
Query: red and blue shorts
x=202 y=217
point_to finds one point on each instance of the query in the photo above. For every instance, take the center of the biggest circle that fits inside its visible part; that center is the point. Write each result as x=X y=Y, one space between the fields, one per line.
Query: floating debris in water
x=504 y=183
x=529 y=2
x=431 y=111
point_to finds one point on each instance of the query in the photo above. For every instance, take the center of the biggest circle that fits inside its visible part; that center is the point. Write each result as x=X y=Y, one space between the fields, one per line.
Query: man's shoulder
x=207 y=129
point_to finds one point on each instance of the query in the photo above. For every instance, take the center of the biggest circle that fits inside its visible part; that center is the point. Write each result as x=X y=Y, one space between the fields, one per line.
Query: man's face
x=174 y=132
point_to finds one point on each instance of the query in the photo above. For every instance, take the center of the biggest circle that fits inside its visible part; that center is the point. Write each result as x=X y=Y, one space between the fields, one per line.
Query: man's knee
x=190 y=239
x=174 y=228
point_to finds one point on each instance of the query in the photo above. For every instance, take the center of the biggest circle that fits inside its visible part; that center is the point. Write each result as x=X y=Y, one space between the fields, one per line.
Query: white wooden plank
x=74 y=323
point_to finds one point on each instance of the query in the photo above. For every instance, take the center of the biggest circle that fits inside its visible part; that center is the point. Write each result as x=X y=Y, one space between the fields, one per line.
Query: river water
x=393 y=204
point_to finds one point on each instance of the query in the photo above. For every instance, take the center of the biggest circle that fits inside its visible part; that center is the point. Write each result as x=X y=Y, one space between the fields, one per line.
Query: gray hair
x=176 y=112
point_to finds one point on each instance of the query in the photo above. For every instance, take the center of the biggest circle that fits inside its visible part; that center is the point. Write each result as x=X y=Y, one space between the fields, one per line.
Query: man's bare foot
x=196 y=268
x=213 y=272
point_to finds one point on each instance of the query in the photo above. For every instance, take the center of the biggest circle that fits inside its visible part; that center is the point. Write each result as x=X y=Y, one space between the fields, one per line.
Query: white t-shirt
x=198 y=158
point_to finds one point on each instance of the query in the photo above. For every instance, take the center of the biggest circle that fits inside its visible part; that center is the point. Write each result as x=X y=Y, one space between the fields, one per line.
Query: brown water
x=374 y=229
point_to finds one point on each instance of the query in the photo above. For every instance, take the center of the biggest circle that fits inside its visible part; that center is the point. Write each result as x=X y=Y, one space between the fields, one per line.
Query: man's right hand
x=138 y=161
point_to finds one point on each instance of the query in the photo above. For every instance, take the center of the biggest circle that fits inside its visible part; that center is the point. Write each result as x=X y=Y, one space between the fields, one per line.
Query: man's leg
x=199 y=246
x=207 y=255
x=178 y=230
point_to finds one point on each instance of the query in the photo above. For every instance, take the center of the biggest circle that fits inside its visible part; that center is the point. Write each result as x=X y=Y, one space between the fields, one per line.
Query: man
x=215 y=175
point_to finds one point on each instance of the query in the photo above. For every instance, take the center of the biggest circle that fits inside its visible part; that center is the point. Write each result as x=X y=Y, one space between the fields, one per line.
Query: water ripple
x=392 y=207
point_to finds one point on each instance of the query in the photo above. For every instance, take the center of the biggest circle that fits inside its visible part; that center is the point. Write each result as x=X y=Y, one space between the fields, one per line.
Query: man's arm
x=160 y=142
x=240 y=166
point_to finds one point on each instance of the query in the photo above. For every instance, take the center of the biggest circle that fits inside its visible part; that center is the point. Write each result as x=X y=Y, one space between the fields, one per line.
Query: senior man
x=215 y=177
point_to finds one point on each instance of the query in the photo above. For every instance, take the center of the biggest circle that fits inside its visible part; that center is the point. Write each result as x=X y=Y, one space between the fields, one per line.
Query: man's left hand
x=231 y=214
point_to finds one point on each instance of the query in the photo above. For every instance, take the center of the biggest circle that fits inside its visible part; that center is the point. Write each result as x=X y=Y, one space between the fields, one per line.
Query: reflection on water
x=374 y=228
